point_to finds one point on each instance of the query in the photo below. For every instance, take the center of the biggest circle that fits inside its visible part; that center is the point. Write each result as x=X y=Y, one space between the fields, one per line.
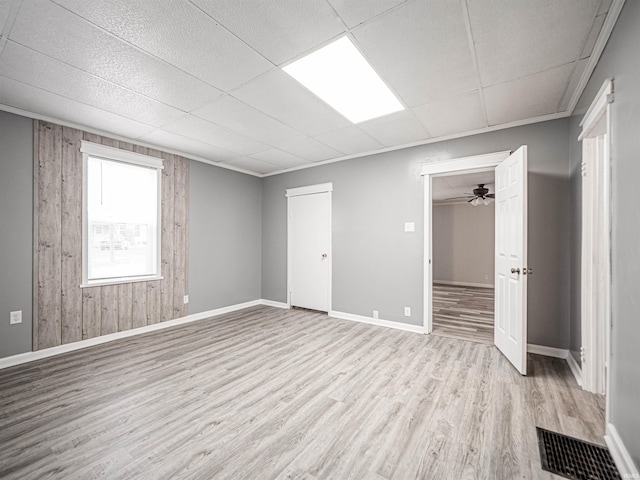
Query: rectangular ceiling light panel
x=342 y=77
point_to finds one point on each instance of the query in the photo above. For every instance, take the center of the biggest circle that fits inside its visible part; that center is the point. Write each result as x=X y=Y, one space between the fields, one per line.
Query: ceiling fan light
x=486 y=201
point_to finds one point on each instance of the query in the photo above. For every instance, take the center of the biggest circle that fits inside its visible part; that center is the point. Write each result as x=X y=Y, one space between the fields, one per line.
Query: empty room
x=319 y=239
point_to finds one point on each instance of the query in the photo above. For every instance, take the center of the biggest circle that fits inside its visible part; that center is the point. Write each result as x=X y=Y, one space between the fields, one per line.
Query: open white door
x=511 y=259
x=309 y=227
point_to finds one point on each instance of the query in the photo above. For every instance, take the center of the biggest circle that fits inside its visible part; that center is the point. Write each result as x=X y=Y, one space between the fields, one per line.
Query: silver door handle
x=527 y=271
x=515 y=270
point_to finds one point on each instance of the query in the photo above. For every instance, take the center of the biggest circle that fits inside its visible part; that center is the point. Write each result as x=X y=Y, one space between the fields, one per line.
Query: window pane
x=122 y=211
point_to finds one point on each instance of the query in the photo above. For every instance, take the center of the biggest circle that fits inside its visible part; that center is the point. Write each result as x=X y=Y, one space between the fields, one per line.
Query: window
x=121 y=216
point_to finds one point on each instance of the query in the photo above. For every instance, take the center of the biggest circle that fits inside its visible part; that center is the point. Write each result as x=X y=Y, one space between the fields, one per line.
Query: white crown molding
x=84 y=128
x=620 y=454
x=596 y=53
x=376 y=321
x=90 y=342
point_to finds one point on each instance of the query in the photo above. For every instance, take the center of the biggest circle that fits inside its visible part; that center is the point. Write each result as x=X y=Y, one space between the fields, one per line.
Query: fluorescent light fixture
x=342 y=77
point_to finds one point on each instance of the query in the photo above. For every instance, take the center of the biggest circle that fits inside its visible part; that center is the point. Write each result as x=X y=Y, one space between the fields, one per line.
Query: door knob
x=527 y=271
x=515 y=270
x=324 y=255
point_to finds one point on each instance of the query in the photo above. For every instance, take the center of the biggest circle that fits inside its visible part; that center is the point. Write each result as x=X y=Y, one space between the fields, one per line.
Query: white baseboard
x=548 y=351
x=464 y=284
x=620 y=454
x=575 y=368
x=271 y=303
x=377 y=321
x=70 y=347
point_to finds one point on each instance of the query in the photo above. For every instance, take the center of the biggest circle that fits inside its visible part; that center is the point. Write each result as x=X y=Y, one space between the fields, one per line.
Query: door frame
x=595 y=350
x=441 y=169
x=310 y=190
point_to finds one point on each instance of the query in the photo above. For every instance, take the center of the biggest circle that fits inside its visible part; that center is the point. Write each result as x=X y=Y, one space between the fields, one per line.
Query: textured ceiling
x=204 y=78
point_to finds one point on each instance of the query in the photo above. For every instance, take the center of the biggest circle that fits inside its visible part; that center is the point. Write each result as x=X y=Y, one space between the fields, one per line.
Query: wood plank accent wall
x=62 y=311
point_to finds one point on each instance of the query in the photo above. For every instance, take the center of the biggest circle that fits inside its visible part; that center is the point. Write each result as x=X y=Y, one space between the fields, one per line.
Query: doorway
x=511 y=271
x=463 y=212
x=309 y=257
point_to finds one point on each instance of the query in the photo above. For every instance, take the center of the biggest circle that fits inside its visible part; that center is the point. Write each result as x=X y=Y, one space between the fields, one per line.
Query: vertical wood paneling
x=71 y=235
x=181 y=192
x=49 y=234
x=63 y=312
x=36 y=238
x=109 y=307
x=166 y=262
x=153 y=302
x=125 y=307
x=91 y=312
x=139 y=304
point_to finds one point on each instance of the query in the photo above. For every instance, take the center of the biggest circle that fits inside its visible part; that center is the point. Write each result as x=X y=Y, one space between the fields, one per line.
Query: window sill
x=120 y=281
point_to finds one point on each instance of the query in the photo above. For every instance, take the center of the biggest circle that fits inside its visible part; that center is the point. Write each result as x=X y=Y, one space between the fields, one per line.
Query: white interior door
x=309 y=251
x=511 y=259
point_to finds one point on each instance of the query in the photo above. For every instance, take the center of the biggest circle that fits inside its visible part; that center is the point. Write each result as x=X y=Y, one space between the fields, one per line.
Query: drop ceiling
x=204 y=77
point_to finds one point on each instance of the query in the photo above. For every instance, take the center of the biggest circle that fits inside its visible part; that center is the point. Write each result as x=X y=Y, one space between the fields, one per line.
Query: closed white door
x=309 y=251
x=511 y=259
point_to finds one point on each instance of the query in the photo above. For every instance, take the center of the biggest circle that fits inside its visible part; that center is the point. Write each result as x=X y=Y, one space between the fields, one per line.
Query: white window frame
x=95 y=150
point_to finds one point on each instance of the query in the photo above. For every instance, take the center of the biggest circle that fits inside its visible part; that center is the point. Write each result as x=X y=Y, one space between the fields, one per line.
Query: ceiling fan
x=480 y=196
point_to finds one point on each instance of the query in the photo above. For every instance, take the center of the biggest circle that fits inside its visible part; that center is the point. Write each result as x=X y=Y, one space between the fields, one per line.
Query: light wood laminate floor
x=463 y=312
x=267 y=393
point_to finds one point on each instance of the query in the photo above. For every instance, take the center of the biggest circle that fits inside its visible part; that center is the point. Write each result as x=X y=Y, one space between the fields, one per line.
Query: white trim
x=575 y=368
x=443 y=168
x=620 y=454
x=133 y=141
x=112 y=153
x=597 y=108
x=90 y=342
x=119 y=281
x=272 y=303
x=465 y=284
x=310 y=189
x=518 y=123
x=554 y=352
x=475 y=162
x=603 y=37
x=376 y=321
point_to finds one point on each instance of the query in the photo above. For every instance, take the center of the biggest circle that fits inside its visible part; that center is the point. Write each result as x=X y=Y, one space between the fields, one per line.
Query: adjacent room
x=319 y=239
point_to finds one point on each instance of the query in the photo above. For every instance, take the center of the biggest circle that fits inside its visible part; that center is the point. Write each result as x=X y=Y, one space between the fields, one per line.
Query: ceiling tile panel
x=56 y=32
x=279 y=95
x=527 y=97
x=446 y=117
x=179 y=33
x=395 y=129
x=516 y=39
x=355 y=13
x=40 y=102
x=580 y=67
x=349 y=140
x=279 y=30
x=280 y=158
x=240 y=117
x=421 y=49
x=207 y=132
x=590 y=42
x=5 y=9
x=170 y=140
x=312 y=150
x=33 y=68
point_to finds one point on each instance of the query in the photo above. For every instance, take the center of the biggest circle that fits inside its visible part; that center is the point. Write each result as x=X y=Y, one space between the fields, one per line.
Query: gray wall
x=16 y=231
x=225 y=240
x=464 y=243
x=378 y=266
x=622 y=61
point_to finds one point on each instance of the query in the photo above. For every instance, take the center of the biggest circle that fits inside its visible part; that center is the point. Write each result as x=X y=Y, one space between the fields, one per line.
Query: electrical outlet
x=186 y=299
x=407 y=311
x=375 y=314
x=15 y=317
x=486 y=277
x=409 y=227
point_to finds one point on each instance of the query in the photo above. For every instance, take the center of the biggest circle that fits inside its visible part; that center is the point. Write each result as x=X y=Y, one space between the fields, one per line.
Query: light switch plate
x=15 y=317
x=409 y=227
x=186 y=299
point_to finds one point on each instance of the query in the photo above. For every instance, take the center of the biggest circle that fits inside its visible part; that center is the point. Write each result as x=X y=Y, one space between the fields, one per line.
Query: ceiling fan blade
x=457 y=198
x=491 y=195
